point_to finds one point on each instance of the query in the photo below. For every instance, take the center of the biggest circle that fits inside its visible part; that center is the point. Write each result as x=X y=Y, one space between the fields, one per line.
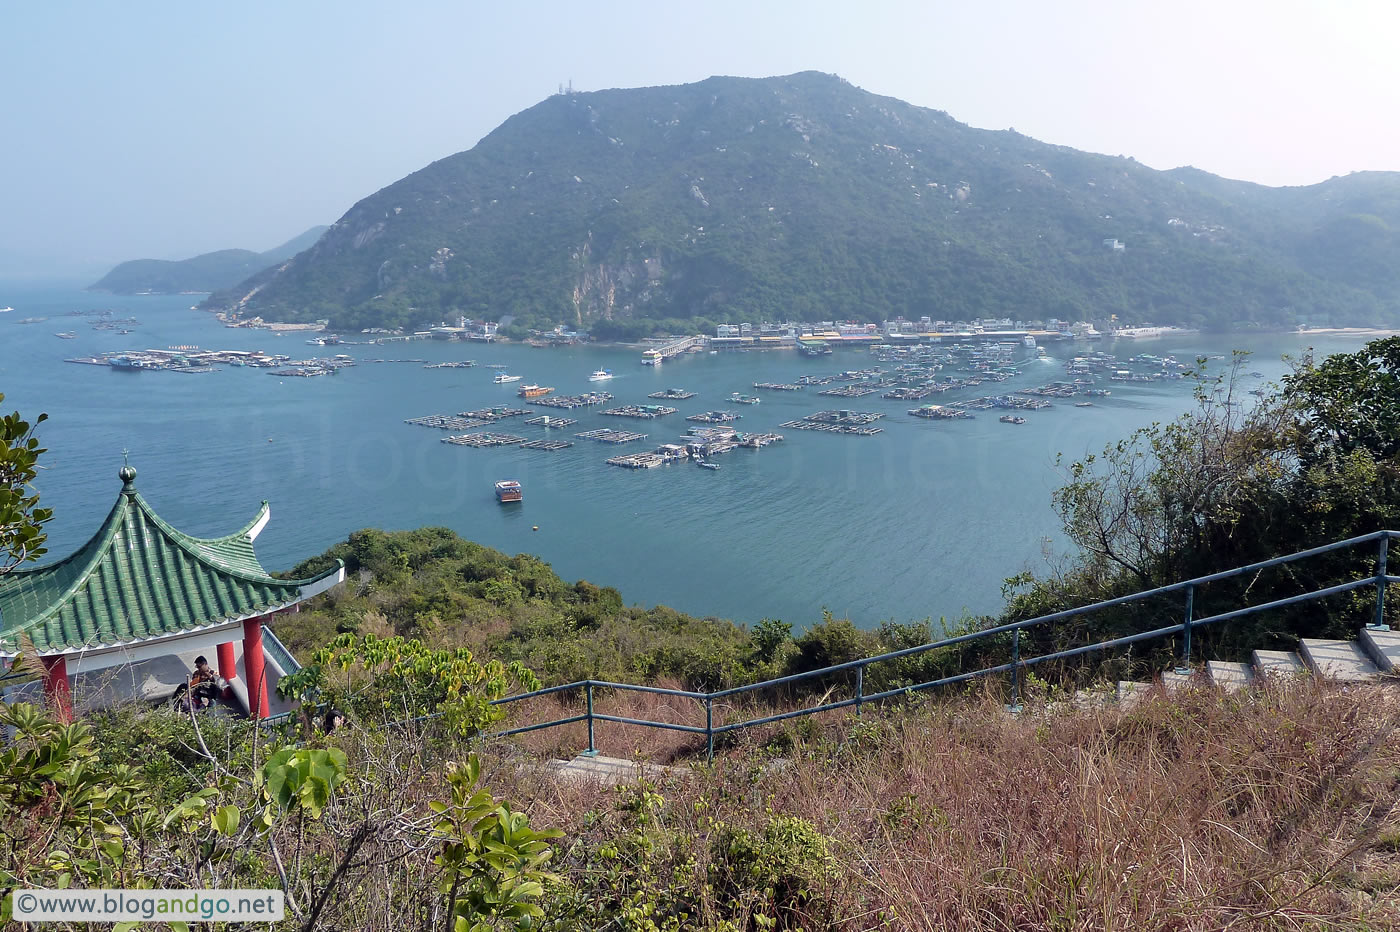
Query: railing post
x=1379 y=621
x=592 y=749
x=860 y=687
x=1015 y=705
x=1185 y=668
x=709 y=730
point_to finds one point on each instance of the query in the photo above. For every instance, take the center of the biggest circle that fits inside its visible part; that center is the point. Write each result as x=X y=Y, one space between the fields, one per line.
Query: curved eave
x=305 y=589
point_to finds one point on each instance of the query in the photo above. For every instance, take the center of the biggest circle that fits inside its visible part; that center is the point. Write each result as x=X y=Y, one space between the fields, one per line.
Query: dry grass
x=1271 y=810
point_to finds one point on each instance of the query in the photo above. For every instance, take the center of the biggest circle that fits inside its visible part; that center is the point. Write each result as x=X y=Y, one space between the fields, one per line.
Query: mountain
x=805 y=197
x=208 y=272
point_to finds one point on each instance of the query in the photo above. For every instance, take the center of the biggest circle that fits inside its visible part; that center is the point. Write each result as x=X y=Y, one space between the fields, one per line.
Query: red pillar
x=56 y=690
x=253 y=668
x=228 y=669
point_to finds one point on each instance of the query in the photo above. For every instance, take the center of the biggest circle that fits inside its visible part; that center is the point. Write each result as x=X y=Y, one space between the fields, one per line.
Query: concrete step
x=1130 y=693
x=1282 y=663
x=1384 y=648
x=1174 y=681
x=608 y=770
x=1228 y=675
x=1338 y=661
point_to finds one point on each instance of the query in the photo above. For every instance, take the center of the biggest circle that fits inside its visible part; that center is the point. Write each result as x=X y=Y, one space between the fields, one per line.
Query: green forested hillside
x=207 y=272
x=806 y=197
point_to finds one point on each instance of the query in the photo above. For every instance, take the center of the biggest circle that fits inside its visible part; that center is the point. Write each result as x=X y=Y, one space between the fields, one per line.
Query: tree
x=1351 y=401
x=21 y=519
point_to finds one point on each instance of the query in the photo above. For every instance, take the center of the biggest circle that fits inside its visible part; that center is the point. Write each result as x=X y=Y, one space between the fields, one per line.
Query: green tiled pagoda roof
x=138 y=578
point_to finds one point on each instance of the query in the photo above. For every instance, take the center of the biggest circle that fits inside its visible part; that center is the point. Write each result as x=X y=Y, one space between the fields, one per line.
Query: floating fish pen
x=1052 y=390
x=841 y=422
x=715 y=417
x=638 y=460
x=608 y=435
x=496 y=365
x=544 y=420
x=908 y=394
x=193 y=370
x=844 y=417
x=645 y=412
x=703 y=451
x=447 y=422
x=574 y=401
x=483 y=439
x=308 y=373
x=849 y=391
x=758 y=441
x=546 y=444
x=777 y=387
x=673 y=394
x=939 y=412
x=815 y=380
x=465 y=364
x=500 y=412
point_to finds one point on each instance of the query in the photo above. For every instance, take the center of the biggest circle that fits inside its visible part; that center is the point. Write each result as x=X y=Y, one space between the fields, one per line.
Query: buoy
x=535 y=528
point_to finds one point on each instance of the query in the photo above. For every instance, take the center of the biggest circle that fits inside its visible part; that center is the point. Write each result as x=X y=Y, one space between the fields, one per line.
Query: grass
x=1268 y=810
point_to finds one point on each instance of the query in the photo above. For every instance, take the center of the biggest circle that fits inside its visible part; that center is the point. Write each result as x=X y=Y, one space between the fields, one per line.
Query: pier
x=671 y=350
x=608 y=435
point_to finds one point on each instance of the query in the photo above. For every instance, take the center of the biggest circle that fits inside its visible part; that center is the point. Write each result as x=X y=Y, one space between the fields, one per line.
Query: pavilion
x=142 y=594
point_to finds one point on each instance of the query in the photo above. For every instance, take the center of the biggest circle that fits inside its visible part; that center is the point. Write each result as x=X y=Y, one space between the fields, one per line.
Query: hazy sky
x=154 y=129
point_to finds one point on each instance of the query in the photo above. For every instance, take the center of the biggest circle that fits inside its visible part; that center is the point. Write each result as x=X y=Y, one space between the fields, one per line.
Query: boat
x=1083 y=404
x=1011 y=419
x=652 y=357
x=704 y=465
x=508 y=490
x=6 y=310
x=66 y=335
x=744 y=399
x=600 y=375
x=533 y=391
x=501 y=378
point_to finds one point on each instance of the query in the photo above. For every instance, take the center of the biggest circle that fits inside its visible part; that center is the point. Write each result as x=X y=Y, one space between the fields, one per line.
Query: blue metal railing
x=1379 y=579
x=275 y=649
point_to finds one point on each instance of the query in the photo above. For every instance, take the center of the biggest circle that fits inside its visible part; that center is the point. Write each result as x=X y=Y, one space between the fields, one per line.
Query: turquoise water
x=923 y=520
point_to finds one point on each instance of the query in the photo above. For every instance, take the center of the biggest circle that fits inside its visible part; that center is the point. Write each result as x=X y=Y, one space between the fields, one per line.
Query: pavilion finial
x=127 y=474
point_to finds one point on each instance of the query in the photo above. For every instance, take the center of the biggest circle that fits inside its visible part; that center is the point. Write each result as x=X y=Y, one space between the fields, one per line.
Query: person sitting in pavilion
x=203 y=687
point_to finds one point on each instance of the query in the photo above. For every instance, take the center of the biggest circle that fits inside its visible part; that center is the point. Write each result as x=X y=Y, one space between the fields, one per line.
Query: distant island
x=673 y=209
x=203 y=273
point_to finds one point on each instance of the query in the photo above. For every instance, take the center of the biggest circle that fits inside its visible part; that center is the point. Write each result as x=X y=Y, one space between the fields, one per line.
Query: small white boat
x=502 y=378
x=600 y=375
x=6 y=310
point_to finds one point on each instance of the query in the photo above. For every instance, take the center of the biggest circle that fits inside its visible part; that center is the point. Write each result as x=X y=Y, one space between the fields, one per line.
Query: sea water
x=923 y=520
